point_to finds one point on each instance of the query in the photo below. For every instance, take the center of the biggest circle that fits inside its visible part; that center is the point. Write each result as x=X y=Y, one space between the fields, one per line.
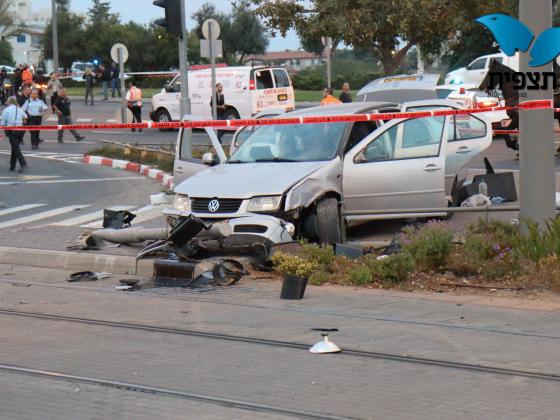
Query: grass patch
x=163 y=162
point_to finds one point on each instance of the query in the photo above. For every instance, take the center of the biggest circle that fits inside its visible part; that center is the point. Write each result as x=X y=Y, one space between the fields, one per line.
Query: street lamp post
x=536 y=135
x=54 y=27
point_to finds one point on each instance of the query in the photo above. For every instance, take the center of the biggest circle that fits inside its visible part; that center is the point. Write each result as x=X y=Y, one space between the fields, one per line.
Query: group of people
x=104 y=75
x=343 y=98
x=29 y=105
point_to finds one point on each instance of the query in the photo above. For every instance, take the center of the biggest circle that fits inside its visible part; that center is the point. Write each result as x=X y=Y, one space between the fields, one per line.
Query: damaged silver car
x=312 y=174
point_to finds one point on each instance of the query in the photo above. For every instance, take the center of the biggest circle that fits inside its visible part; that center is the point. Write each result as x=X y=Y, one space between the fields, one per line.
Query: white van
x=247 y=91
x=476 y=71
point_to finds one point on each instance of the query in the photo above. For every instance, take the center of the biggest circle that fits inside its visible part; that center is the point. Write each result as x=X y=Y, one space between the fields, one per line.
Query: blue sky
x=143 y=11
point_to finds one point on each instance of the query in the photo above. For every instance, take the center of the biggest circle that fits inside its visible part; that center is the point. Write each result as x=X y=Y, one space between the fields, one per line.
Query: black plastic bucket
x=293 y=287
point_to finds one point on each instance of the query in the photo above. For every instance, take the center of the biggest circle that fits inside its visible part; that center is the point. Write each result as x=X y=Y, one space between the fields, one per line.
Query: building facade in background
x=293 y=61
x=26 y=46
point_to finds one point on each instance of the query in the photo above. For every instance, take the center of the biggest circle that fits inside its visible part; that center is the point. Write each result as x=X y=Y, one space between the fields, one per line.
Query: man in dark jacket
x=22 y=98
x=104 y=76
x=220 y=107
x=62 y=108
x=115 y=81
x=345 y=96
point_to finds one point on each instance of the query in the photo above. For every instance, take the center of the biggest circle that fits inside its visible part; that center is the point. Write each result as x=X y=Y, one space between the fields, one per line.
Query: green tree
x=387 y=29
x=6 y=56
x=241 y=32
x=71 y=39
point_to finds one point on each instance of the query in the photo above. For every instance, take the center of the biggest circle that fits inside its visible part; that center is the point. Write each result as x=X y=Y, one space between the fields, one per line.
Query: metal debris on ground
x=117 y=219
x=82 y=276
x=351 y=252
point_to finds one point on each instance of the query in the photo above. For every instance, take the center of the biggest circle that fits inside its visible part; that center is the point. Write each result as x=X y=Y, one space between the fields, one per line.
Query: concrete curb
x=162 y=177
x=75 y=261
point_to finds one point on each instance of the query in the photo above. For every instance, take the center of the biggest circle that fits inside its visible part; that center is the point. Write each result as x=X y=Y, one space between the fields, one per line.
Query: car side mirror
x=360 y=157
x=469 y=67
x=208 y=159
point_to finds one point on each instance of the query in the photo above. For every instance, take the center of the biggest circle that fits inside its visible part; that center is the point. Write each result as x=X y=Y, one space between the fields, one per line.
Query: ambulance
x=247 y=92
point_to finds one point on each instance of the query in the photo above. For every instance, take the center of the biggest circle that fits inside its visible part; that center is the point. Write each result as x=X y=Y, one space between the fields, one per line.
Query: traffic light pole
x=183 y=65
x=536 y=136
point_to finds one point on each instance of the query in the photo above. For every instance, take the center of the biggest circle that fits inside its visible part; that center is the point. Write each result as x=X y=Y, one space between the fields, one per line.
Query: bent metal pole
x=536 y=138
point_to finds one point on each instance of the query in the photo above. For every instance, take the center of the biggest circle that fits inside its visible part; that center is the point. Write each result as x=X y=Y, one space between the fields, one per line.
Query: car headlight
x=182 y=203
x=265 y=204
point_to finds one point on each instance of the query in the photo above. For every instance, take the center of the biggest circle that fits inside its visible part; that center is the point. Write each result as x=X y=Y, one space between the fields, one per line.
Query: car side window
x=478 y=64
x=382 y=148
x=175 y=85
x=421 y=138
x=359 y=131
x=194 y=152
x=264 y=79
x=281 y=77
x=465 y=127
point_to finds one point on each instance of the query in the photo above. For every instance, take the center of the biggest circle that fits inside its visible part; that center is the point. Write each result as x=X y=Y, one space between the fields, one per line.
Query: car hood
x=246 y=180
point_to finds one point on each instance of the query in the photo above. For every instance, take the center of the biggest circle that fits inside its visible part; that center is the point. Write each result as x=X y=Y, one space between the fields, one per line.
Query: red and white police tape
x=162 y=177
x=527 y=105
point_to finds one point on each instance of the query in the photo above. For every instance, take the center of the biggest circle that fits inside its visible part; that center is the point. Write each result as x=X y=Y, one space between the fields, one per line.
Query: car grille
x=227 y=205
x=250 y=229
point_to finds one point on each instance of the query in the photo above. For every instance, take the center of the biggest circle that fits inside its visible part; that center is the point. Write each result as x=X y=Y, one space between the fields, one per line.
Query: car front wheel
x=328 y=221
x=162 y=116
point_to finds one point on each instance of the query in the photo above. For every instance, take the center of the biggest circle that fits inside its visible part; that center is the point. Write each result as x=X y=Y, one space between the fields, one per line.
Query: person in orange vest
x=328 y=98
x=26 y=76
x=134 y=98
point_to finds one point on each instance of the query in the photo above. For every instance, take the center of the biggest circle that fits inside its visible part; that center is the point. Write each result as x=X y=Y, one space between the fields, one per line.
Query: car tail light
x=486 y=104
x=252 y=85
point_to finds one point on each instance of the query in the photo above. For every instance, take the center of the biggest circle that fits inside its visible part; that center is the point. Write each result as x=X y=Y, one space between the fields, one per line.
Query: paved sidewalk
x=449 y=328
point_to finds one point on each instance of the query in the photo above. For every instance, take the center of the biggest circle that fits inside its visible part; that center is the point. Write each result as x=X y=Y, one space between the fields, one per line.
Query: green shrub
x=293 y=265
x=360 y=274
x=478 y=247
x=538 y=243
x=320 y=254
x=395 y=269
x=429 y=244
x=503 y=233
x=319 y=277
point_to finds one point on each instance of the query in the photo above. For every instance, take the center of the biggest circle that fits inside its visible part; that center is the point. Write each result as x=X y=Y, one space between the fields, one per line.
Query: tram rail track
x=288 y=344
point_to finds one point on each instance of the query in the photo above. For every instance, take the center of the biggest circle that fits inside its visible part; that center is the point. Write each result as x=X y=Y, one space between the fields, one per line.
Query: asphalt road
x=57 y=187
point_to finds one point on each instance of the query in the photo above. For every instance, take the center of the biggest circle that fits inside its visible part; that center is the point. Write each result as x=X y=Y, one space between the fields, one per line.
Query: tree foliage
x=387 y=29
x=8 y=24
x=241 y=32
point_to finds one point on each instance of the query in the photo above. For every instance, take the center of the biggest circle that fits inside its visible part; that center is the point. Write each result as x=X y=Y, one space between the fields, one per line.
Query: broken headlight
x=265 y=204
x=182 y=203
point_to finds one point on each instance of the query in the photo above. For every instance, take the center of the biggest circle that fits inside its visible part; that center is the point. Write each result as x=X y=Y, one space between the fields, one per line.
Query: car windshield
x=291 y=143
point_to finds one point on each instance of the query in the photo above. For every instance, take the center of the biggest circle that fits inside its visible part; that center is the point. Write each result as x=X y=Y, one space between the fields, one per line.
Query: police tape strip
x=225 y=124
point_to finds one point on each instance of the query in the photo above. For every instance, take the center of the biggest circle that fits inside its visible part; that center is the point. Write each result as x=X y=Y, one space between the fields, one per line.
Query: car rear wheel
x=231 y=114
x=328 y=221
x=162 y=116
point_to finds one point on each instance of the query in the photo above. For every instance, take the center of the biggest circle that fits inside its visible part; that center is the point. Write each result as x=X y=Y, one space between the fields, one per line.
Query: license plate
x=283 y=97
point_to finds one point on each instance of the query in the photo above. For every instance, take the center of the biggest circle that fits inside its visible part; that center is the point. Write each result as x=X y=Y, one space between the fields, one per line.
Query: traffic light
x=172 y=22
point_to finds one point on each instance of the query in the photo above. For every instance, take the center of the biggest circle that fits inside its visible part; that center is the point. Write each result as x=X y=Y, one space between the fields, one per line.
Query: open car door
x=468 y=136
x=400 y=166
x=191 y=147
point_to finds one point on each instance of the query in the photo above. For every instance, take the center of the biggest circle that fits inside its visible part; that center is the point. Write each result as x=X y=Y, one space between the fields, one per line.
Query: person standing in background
x=53 y=87
x=22 y=98
x=134 y=99
x=89 y=77
x=220 y=108
x=115 y=81
x=26 y=76
x=328 y=98
x=62 y=107
x=104 y=76
x=17 y=78
x=34 y=108
x=13 y=116
x=345 y=96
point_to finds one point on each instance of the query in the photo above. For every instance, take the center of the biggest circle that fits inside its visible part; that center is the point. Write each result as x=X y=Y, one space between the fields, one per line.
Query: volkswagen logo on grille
x=213 y=206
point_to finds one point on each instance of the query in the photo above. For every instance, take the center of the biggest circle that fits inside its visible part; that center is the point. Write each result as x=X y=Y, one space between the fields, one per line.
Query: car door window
x=359 y=131
x=281 y=78
x=264 y=79
x=465 y=127
x=420 y=138
x=478 y=64
x=201 y=144
x=175 y=85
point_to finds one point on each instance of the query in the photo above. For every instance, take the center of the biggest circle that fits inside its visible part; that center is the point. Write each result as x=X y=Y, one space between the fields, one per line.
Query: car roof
x=348 y=108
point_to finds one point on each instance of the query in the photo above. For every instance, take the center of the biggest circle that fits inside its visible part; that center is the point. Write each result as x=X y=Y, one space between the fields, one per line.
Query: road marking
x=52 y=119
x=72 y=181
x=84 y=120
x=76 y=221
x=43 y=215
x=20 y=208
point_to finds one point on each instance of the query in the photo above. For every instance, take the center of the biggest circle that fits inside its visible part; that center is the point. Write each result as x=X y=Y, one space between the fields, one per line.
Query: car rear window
x=281 y=78
x=264 y=79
